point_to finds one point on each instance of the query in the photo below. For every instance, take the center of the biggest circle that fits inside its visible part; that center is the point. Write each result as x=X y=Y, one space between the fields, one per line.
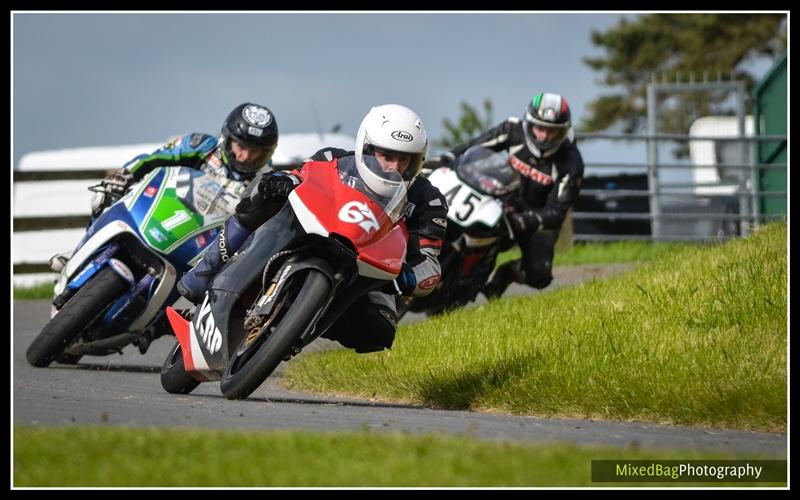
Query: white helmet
x=391 y=128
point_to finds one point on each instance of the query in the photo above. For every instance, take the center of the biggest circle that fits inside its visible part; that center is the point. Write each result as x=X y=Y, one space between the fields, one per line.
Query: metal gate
x=699 y=185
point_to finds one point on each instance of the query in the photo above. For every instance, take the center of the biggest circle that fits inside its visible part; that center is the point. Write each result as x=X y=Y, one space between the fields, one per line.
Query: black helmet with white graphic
x=252 y=126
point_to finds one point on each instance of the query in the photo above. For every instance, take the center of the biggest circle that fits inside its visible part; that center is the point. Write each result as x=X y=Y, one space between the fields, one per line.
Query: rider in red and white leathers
x=369 y=325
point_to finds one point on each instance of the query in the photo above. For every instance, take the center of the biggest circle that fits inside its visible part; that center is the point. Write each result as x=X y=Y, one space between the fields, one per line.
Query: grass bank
x=696 y=337
x=612 y=252
x=36 y=292
x=131 y=457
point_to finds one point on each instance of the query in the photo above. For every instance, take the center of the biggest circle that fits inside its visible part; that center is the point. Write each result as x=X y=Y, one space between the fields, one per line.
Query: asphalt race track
x=125 y=390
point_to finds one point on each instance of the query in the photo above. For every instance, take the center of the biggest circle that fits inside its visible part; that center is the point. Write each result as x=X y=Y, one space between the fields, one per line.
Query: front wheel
x=79 y=312
x=174 y=378
x=248 y=368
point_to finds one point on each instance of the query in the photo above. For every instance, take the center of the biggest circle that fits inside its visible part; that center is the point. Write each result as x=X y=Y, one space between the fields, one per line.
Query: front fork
x=125 y=309
x=90 y=270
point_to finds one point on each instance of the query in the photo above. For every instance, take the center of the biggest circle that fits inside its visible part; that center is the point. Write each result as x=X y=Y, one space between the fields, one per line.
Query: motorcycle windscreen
x=487 y=171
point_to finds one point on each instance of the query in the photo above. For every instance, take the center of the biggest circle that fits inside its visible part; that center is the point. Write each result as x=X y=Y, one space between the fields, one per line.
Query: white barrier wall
x=54 y=198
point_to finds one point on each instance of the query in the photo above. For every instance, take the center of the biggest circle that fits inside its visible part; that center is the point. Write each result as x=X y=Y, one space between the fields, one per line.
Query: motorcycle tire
x=174 y=378
x=242 y=377
x=80 y=310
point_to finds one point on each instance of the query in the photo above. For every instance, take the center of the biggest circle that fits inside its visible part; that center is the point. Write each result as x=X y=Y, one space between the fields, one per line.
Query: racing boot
x=194 y=283
x=503 y=276
x=159 y=328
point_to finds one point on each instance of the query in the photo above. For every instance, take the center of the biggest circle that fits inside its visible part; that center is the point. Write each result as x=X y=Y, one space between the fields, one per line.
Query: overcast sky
x=104 y=79
x=99 y=79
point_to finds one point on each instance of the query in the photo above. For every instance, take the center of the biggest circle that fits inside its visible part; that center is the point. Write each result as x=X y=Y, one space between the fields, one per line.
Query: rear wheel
x=249 y=367
x=79 y=312
x=174 y=378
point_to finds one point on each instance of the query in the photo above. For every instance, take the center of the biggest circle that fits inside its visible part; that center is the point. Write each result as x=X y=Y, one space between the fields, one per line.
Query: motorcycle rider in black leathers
x=540 y=148
x=395 y=136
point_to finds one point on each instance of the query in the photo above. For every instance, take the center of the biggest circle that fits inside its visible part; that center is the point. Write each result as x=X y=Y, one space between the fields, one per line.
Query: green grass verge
x=583 y=253
x=129 y=457
x=696 y=337
x=40 y=291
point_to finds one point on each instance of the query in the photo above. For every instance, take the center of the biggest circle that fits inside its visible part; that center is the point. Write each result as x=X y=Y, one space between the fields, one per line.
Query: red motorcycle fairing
x=325 y=205
x=193 y=360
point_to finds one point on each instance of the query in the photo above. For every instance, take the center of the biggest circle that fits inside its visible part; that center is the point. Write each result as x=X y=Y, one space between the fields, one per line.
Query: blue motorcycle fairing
x=89 y=270
x=123 y=303
x=135 y=218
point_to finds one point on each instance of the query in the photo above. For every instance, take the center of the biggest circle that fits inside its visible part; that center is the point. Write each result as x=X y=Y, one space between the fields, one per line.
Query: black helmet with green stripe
x=550 y=112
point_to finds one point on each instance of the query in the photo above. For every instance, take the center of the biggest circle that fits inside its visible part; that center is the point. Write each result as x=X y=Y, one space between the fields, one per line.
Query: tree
x=674 y=44
x=469 y=125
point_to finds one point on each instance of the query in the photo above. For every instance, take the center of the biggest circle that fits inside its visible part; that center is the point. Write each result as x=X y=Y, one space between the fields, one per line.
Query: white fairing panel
x=307 y=219
x=371 y=271
x=98 y=239
x=466 y=206
x=157 y=301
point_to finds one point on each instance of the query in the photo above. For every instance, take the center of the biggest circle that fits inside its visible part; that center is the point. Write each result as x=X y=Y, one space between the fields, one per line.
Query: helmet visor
x=404 y=163
x=384 y=187
x=547 y=137
x=247 y=158
x=385 y=171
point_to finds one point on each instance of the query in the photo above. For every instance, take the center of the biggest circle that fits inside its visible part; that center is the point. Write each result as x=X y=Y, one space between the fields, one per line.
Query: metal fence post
x=745 y=184
x=652 y=161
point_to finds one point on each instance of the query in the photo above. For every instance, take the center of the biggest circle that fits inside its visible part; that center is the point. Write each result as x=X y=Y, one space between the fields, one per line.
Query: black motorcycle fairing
x=274 y=235
x=347 y=285
x=289 y=269
x=222 y=300
x=342 y=303
x=457 y=288
x=234 y=288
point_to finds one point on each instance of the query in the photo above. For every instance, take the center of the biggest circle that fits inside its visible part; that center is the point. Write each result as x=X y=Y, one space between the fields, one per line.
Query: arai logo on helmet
x=256 y=115
x=549 y=114
x=402 y=136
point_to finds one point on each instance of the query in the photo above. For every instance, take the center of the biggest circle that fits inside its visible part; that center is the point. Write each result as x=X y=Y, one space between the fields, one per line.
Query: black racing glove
x=117 y=183
x=431 y=165
x=113 y=187
x=525 y=222
x=276 y=185
x=445 y=160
